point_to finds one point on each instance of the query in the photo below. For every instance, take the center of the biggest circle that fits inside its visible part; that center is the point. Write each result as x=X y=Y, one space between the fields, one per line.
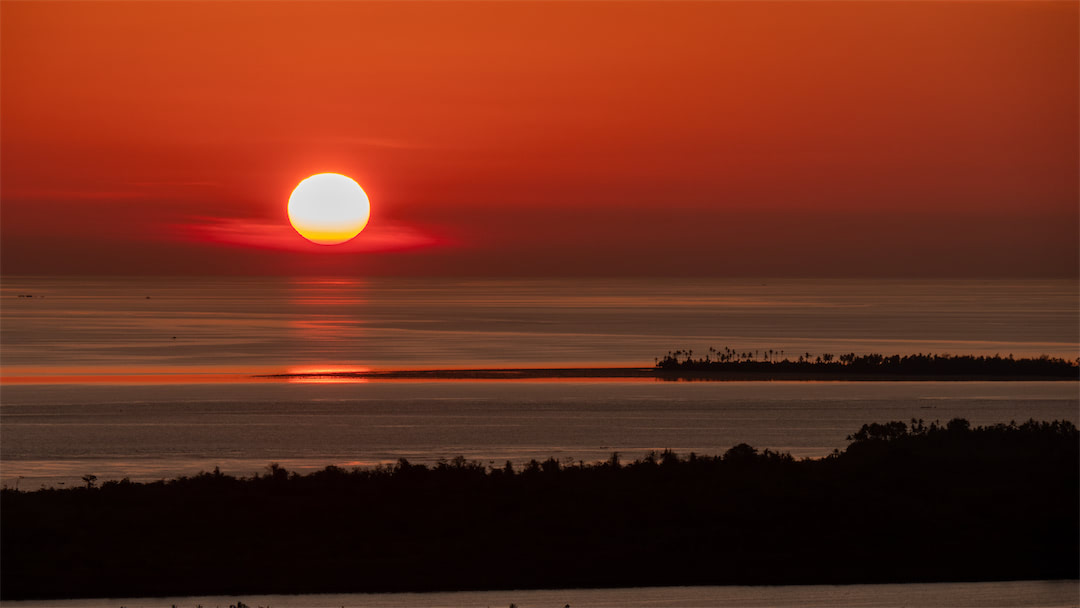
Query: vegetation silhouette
x=903 y=502
x=682 y=363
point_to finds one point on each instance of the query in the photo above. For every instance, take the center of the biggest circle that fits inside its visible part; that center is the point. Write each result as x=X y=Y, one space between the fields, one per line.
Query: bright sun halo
x=328 y=209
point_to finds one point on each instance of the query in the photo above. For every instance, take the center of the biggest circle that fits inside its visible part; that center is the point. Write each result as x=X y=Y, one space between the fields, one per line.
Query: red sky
x=507 y=138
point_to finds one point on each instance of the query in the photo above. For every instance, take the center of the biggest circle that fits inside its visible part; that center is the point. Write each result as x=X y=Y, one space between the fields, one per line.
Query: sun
x=329 y=209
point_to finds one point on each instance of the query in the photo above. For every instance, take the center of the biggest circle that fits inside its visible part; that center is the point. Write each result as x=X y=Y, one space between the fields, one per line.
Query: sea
x=150 y=378
x=154 y=378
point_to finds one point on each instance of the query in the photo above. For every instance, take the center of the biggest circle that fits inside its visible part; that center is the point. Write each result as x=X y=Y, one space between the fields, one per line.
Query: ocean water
x=55 y=434
x=1009 y=594
x=87 y=329
x=155 y=378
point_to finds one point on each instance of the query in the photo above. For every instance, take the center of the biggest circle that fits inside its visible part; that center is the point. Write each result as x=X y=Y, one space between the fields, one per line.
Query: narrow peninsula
x=731 y=365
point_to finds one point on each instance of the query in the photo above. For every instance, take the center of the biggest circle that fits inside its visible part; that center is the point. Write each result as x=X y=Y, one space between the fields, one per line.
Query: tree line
x=777 y=361
x=903 y=502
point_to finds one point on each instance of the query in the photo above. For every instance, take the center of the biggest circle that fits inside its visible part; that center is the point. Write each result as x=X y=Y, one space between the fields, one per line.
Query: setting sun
x=329 y=209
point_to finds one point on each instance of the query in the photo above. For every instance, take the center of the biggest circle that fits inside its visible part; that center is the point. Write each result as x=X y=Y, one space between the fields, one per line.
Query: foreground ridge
x=904 y=502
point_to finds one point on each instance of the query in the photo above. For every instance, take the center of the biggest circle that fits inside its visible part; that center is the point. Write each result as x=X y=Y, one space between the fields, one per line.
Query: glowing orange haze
x=804 y=138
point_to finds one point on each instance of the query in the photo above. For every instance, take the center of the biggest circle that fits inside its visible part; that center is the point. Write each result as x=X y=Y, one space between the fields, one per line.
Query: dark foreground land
x=902 y=503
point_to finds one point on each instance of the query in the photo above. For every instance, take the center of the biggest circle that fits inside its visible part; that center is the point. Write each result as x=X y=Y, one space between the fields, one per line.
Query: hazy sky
x=808 y=138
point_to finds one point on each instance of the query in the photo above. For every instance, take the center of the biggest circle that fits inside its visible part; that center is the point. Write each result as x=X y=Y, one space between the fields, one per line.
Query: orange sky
x=807 y=138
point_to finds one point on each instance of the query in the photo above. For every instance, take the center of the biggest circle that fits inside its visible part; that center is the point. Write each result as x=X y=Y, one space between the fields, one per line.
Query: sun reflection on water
x=326 y=374
x=327 y=313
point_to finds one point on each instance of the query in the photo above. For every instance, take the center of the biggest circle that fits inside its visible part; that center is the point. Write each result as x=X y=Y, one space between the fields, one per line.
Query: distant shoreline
x=520 y=374
x=647 y=373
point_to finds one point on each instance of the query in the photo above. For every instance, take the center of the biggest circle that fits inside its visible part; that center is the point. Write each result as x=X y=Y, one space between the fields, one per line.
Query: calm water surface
x=106 y=376
x=111 y=326
x=1014 y=594
x=53 y=434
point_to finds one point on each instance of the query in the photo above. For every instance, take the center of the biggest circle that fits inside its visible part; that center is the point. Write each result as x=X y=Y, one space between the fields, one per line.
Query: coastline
x=15 y=377
x=649 y=373
x=996 y=594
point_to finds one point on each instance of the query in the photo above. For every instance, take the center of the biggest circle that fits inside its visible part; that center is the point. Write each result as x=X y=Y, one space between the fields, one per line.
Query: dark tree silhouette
x=903 y=502
x=681 y=364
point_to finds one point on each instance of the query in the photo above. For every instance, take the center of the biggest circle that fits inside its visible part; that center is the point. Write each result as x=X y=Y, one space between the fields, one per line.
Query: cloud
x=377 y=237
